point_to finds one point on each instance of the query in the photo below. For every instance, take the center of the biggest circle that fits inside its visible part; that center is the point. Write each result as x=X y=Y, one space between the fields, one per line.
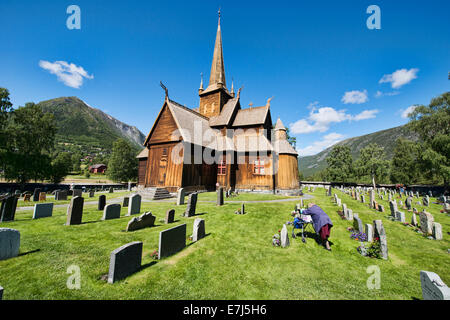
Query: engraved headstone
x=369 y=232
x=380 y=233
x=125 y=261
x=437 y=231
x=9 y=243
x=91 y=193
x=426 y=222
x=36 y=193
x=170 y=216
x=125 y=202
x=191 y=205
x=134 y=206
x=42 y=196
x=393 y=207
x=111 y=211
x=357 y=223
x=111 y=190
x=77 y=193
x=171 y=241
x=42 y=210
x=180 y=196
x=400 y=216
x=8 y=208
x=75 y=211
x=414 y=219
x=284 y=237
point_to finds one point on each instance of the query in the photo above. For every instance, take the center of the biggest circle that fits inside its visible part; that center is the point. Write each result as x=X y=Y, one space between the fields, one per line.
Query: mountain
x=386 y=138
x=86 y=129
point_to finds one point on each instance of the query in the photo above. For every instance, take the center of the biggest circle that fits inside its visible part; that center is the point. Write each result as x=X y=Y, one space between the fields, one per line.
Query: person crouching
x=321 y=221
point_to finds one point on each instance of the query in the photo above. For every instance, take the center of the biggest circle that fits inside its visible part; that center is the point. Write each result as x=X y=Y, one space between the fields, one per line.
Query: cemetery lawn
x=236 y=259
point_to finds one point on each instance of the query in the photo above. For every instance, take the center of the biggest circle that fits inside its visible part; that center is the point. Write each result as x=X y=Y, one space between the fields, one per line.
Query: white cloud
x=320 y=119
x=355 y=97
x=366 y=114
x=389 y=94
x=406 y=112
x=327 y=141
x=400 y=77
x=68 y=73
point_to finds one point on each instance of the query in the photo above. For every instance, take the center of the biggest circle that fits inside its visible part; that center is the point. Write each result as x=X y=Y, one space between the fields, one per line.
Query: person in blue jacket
x=321 y=221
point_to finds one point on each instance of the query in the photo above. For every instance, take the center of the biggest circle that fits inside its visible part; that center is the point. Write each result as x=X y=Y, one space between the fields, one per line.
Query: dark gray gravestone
x=242 y=209
x=191 y=205
x=111 y=190
x=220 y=196
x=36 y=193
x=8 y=208
x=170 y=216
x=171 y=241
x=9 y=243
x=379 y=232
x=42 y=210
x=111 y=211
x=61 y=195
x=91 y=193
x=198 y=231
x=101 y=202
x=134 y=206
x=143 y=221
x=1 y=292
x=77 y=193
x=125 y=261
x=125 y=202
x=75 y=211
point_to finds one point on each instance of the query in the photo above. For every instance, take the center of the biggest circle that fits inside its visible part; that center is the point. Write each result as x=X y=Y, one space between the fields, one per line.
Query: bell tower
x=214 y=97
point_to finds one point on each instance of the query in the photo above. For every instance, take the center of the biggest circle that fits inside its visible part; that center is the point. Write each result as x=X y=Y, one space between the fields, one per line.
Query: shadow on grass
x=29 y=252
x=147 y=265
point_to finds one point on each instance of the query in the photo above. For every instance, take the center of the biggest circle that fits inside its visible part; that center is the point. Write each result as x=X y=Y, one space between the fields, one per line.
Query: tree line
x=426 y=161
x=28 y=150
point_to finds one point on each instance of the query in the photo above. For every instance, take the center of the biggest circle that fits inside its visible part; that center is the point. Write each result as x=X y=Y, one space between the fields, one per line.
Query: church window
x=222 y=167
x=258 y=167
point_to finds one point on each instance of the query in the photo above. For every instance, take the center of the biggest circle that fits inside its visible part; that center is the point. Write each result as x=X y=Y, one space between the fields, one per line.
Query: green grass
x=212 y=196
x=235 y=261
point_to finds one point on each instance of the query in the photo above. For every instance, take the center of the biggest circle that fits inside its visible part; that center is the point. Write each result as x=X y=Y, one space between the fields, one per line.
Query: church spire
x=217 y=76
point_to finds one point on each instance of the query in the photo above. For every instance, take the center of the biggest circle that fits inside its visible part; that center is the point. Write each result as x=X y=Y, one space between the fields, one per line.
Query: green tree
x=5 y=111
x=76 y=158
x=405 y=166
x=432 y=124
x=291 y=139
x=123 y=165
x=61 y=166
x=31 y=135
x=372 y=165
x=340 y=164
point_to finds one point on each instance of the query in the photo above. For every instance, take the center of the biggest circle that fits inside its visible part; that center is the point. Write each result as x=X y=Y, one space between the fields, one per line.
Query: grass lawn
x=212 y=196
x=235 y=261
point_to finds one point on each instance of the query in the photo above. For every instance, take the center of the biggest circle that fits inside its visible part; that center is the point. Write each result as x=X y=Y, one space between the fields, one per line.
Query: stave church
x=218 y=143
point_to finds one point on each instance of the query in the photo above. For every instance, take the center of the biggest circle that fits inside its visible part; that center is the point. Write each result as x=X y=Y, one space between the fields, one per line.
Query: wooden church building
x=248 y=153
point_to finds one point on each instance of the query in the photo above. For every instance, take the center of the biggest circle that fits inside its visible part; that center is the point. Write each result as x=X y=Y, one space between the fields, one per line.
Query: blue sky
x=331 y=77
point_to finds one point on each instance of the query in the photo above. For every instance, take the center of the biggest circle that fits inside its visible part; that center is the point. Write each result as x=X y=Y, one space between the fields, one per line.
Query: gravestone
x=393 y=207
x=220 y=196
x=409 y=203
x=125 y=261
x=26 y=197
x=129 y=186
x=42 y=210
x=381 y=208
x=198 y=231
x=101 y=202
x=357 y=223
x=42 y=196
x=284 y=237
x=344 y=210
x=433 y=288
x=145 y=220
x=111 y=211
x=9 y=243
x=77 y=193
x=363 y=199
x=339 y=202
x=349 y=214
x=134 y=206
x=414 y=219
x=369 y=232
x=379 y=232
x=91 y=193
x=36 y=193
x=125 y=202
x=61 y=195
x=75 y=211
x=171 y=241
x=170 y=216
x=242 y=209
x=180 y=196
x=400 y=216
x=372 y=198
x=426 y=222
x=8 y=208
x=111 y=190
x=426 y=201
x=437 y=231
x=191 y=205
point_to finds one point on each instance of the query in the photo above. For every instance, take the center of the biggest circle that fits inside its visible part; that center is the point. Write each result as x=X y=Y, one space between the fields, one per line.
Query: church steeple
x=217 y=76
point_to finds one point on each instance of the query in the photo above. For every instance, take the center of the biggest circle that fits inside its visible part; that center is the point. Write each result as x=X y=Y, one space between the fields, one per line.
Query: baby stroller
x=301 y=221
